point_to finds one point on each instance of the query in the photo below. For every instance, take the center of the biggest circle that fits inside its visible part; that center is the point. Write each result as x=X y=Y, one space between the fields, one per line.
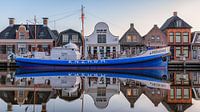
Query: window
x=6 y=34
x=198 y=39
x=185 y=51
x=157 y=39
x=178 y=51
x=186 y=78
x=194 y=54
x=131 y=38
x=42 y=34
x=129 y=92
x=21 y=35
x=107 y=51
x=171 y=37
x=21 y=93
x=65 y=38
x=172 y=93
x=101 y=38
x=10 y=49
x=178 y=23
x=186 y=93
x=95 y=50
x=178 y=78
x=178 y=37
x=75 y=38
x=178 y=93
x=135 y=92
x=185 y=37
x=172 y=52
x=2 y=49
x=101 y=50
x=101 y=91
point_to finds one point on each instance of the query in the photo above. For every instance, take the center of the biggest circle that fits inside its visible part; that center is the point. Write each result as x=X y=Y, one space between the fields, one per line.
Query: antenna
x=82 y=31
x=54 y=24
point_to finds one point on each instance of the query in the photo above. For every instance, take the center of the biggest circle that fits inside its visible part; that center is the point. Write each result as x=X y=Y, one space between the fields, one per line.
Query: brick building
x=179 y=97
x=155 y=38
x=20 y=38
x=178 y=34
x=131 y=42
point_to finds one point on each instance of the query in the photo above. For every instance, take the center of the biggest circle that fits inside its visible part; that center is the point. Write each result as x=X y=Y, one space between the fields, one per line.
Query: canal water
x=98 y=92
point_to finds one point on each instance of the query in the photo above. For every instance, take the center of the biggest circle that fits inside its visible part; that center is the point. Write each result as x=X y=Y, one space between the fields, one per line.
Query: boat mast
x=82 y=31
x=35 y=33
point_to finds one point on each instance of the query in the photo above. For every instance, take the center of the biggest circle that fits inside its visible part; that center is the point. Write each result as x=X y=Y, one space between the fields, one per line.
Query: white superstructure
x=67 y=52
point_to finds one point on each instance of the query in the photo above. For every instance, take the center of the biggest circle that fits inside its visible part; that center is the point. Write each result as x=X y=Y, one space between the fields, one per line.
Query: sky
x=118 y=14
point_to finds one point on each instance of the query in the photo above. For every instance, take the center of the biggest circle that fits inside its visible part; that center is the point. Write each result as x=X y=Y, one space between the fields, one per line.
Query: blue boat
x=151 y=82
x=156 y=59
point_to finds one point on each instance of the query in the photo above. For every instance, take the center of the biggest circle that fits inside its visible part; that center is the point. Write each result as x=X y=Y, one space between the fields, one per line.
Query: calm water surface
x=98 y=92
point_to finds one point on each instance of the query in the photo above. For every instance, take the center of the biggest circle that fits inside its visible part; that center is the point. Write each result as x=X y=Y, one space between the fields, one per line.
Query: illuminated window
x=131 y=38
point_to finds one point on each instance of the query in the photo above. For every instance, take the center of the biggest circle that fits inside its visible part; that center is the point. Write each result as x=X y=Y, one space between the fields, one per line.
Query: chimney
x=45 y=21
x=11 y=21
x=155 y=25
x=131 y=25
x=175 y=13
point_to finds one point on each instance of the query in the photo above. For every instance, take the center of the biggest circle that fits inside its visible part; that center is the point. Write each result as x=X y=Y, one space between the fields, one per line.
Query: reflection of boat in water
x=150 y=60
x=155 y=73
x=151 y=82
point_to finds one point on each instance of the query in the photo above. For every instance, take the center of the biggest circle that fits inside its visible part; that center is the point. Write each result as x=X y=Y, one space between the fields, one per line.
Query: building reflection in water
x=185 y=85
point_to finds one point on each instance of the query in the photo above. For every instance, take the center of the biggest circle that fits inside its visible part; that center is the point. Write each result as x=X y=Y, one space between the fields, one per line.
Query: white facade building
x=101 y=89
x=101 y=43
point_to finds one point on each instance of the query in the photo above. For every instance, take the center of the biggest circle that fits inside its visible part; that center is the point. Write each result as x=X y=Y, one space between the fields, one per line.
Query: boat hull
x=138 y=65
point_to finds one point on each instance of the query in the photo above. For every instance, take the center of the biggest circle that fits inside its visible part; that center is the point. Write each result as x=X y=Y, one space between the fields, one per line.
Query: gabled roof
x=42 y=32
x=70 y=31
x=174 y=106
x=195 y=37
x=55 y=33
x=154 y=30
x=131 y=31
x=172 y=23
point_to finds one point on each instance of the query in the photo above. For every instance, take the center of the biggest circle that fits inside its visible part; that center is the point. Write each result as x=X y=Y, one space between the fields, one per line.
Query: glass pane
x=185 y=37
x=178 y=51
x=178 y=37
x=178 y=93
x=186 y=93
x=172 y=93
x=171 y=35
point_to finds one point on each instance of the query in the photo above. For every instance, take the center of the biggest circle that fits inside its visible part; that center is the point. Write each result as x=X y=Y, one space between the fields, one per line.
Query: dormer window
x=42 y=34
x=178 y=23
x=75 y=38
x=21 y=35
x=198 y=39
x=65 y=38
x=6 y=34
